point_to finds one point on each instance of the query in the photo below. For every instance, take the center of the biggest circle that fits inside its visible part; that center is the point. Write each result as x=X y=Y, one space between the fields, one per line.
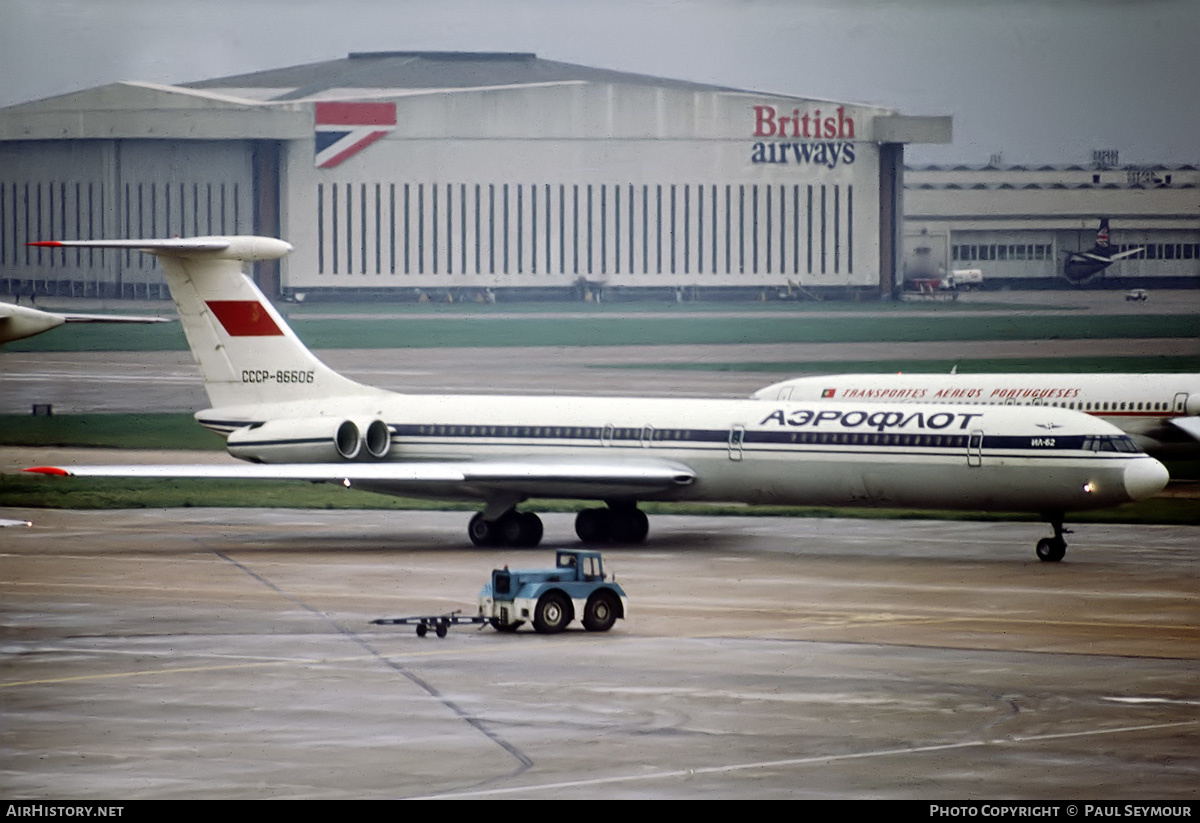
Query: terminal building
x=1018 y=223
x=448 y=174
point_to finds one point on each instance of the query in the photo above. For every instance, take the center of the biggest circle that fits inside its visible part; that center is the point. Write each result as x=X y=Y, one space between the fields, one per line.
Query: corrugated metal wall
x=89 y=189
x=587 y=230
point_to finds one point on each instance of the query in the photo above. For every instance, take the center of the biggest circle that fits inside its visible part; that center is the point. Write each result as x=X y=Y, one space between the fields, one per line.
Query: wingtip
x=54 y=470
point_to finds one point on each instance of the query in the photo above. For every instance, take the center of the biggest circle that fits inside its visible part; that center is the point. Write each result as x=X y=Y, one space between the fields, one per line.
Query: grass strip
x=35 y=491
x=173 y=431
x=692 y=329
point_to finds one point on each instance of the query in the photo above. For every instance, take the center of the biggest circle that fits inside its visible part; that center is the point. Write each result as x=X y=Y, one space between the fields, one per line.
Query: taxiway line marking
x=804 y=761
x=315 y=661
x=842 y=619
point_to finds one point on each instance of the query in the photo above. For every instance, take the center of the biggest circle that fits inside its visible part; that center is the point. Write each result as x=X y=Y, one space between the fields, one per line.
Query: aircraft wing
x=1105 y=258
x=113 y=318
x=477 y=479
x=1189 y=425
x=17 y=322
x=1127 y=253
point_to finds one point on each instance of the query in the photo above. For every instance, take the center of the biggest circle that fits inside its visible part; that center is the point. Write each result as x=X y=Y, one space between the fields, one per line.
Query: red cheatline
x=49 y=470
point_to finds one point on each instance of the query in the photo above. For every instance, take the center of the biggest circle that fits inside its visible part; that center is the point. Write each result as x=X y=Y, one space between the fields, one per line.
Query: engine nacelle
x=377 y=439
x=1193 y=404
x=309 y=440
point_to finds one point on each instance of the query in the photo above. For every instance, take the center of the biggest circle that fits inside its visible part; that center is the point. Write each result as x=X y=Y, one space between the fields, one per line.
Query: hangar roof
x=429 y=70
x=277 y=104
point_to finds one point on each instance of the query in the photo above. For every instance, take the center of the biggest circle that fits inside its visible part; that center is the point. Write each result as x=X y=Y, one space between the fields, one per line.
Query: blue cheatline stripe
x=584 y=436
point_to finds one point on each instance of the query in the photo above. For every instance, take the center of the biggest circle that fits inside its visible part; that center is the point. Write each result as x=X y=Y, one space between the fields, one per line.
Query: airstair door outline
x=975 y=448
x=1181 y=402
x=737 y=436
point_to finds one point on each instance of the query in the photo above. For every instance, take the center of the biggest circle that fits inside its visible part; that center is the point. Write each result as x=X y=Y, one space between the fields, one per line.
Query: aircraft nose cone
x=1144 y=477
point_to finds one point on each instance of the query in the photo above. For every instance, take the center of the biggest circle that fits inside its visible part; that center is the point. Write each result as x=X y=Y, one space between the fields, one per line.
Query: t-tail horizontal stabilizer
x=246 y=351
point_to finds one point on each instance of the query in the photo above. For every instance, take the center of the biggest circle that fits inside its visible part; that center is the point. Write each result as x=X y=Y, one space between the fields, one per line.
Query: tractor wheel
x=600 y=613
x=552 y=614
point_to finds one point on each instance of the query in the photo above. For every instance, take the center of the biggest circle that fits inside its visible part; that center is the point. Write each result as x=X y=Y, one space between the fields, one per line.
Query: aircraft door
x=647 y=436
x=975 y=448
x=1181 y=402
x=737 y=436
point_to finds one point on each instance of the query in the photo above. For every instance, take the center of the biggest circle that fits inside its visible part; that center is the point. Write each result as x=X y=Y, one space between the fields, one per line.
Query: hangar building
x=402 y=172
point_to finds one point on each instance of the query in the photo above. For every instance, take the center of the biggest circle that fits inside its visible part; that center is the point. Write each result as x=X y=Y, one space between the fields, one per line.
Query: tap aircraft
x=292 y=417
x=1159 y=411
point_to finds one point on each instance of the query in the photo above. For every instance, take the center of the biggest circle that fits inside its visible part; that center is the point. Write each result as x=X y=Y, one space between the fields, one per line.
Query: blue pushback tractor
x=551 y=598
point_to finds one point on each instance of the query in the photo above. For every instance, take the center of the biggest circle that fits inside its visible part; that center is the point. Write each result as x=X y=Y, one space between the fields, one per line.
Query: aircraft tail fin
x=1102 y=234
x=246 y=351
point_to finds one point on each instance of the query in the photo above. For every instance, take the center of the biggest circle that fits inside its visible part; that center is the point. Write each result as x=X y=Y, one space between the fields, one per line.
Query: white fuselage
x=283 y=409
x=1142 y=405
x=751 y=451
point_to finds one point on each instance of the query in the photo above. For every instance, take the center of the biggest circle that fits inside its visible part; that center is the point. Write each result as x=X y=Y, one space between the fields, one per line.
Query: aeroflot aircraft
x=1158 y=410
x=284 y=410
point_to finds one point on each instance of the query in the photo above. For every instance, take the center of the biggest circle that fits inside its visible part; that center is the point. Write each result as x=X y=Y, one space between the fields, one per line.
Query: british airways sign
x=828 y=139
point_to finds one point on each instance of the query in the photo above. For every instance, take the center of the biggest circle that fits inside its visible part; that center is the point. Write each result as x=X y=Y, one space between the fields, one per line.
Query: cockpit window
x=1111 y=443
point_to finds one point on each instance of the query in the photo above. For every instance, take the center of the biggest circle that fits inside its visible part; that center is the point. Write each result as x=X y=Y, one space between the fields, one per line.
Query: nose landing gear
x=1052 y=549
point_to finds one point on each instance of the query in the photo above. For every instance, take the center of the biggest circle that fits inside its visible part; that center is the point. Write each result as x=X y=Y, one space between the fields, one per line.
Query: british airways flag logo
x=345 y=129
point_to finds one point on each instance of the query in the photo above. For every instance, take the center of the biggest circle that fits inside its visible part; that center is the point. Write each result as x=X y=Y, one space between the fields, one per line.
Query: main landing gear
x=619 y=523
x=513 y=528
x=1052 y=549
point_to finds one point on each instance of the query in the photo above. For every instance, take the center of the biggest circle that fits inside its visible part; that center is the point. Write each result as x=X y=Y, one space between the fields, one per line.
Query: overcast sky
x=1041 y=81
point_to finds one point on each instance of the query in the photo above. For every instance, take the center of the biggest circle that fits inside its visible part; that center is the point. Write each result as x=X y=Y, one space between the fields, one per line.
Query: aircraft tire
x=552 y=613
x=593 y=525
x=600 y=613
x=510 y=530
x=482 y=532
x=629 y=526
x=531 y=530
x=1051 y=549
x=517 y=529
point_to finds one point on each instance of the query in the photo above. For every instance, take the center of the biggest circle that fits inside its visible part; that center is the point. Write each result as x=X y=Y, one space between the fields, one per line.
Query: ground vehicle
x=966 y=279
x=1137 y=296
x=551 y=598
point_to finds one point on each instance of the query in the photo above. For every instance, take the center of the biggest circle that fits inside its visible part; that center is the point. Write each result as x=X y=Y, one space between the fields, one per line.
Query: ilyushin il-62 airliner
x=291 y=416
x=1159 y=411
